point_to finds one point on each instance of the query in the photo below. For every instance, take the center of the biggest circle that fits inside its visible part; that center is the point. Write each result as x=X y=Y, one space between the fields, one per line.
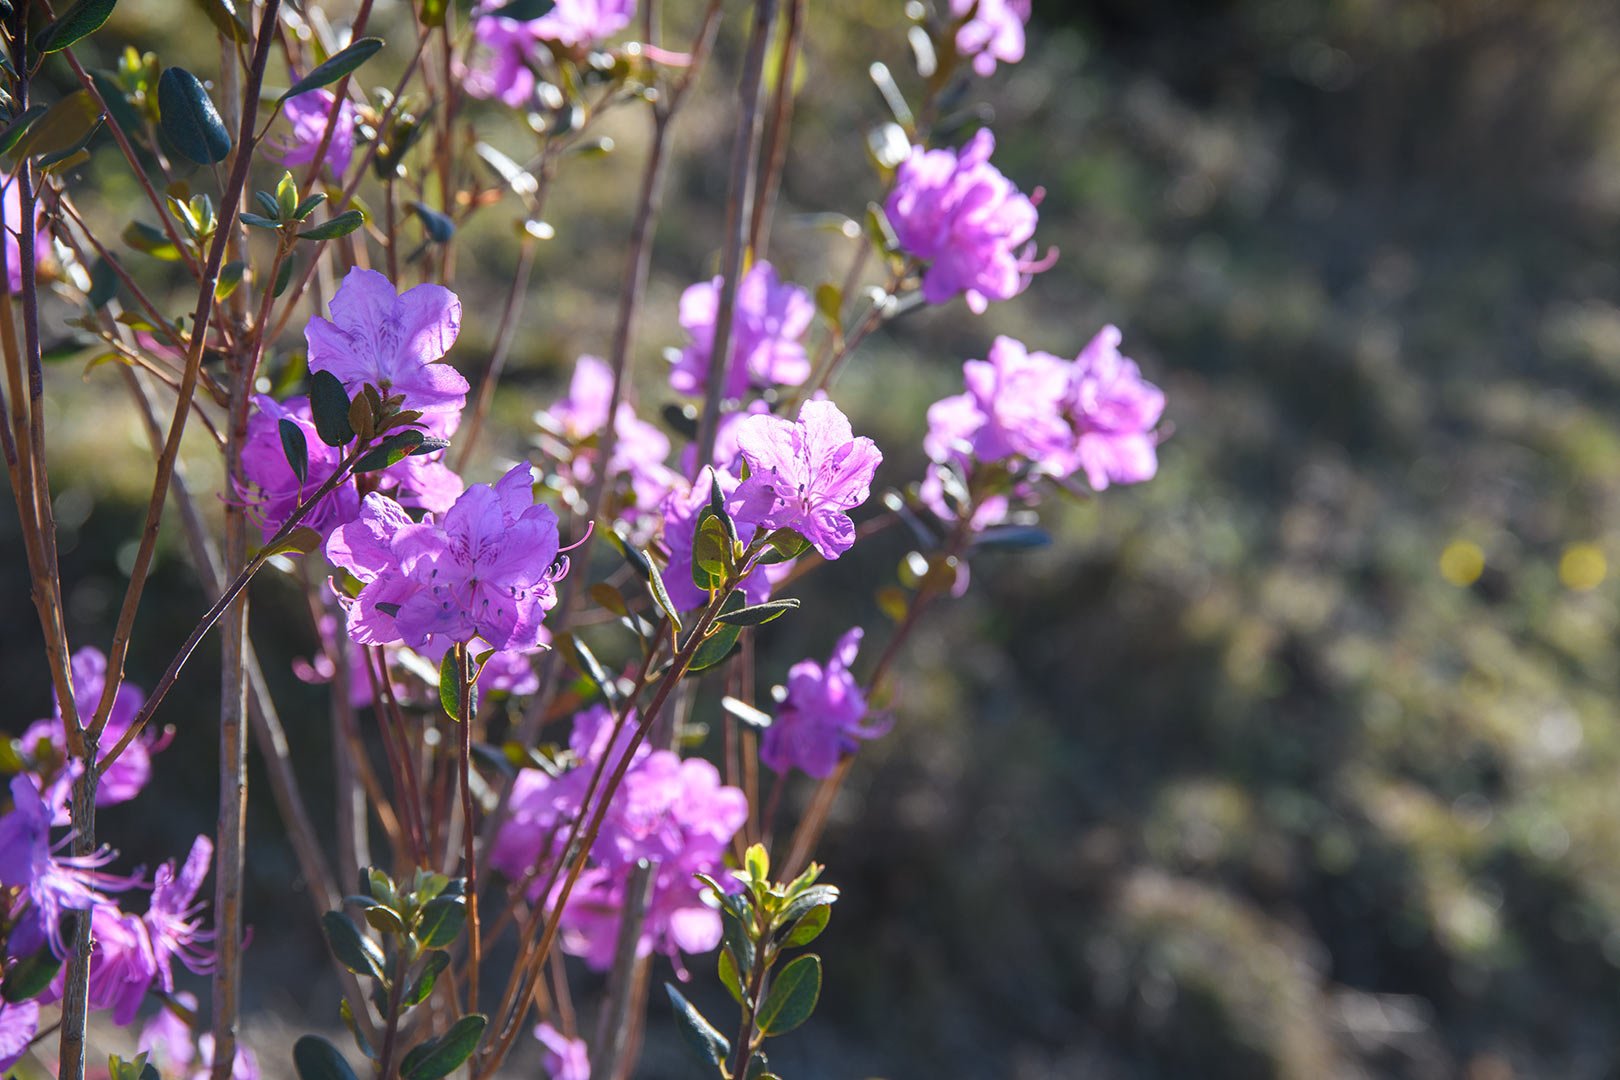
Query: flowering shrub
x=451 y=594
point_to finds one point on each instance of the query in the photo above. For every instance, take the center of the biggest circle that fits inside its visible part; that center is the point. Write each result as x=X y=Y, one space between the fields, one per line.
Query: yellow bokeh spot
x=1582 y=567
x=1462 y=562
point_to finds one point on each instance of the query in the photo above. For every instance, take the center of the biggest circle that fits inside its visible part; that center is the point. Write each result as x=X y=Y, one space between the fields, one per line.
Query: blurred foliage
x=1296 y=762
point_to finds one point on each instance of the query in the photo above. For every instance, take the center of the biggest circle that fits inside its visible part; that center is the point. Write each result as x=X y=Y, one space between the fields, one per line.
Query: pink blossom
x=486 y=571
x=584 y=22
x=995 y=31
x=822 y=716
x=125 y=778
x=307 y=113
x=170 y=1042
x=500 y=65
x=681 y=509
x=1114 y=411
x=1014 y=406
x=640 y=450
x=564 y=1058
x=393 y=342
x=805 y=475
x=19 y=1024
x=274 y=490
x=52 y=884
x=960 y=215
x=767 y=336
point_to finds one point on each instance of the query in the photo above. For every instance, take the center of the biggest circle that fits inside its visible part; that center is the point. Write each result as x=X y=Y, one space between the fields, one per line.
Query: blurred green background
x=1299 y=761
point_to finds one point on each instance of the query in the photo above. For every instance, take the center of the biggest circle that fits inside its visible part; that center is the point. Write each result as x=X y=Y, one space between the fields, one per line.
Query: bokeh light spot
x=1462 y=562
x=1582 y=567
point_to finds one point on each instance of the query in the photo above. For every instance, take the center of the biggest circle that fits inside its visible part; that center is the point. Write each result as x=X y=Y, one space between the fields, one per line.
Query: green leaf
x=73 y=25
x=136 y=1068
x=592 y=668
x=786 y=545
x=329 y=405
x=317 y=1059
x=303 y=540
x=339 y=65
x=307 y=207
x=450 y=689
x=525 y=10
x=346 y=1011
x=433 y=12
x=283 y=277
x=423 y=985
x=150 y=241
x=230 y=276
x=222 y=13
x=353 y=949
x=660 y=594
x=441 y=921
x=391 y=451
x=296 y=447
x=711 y=552
x=1011 y=538
x=189 y=119
x=103 y=285
x=65 y=124
x=442 y=1056
x=19 y=127
x=729 y=977
x=258 y=221
x=431 y=444
x=633 y=555
x=810 y=927
x=813 y=897
x=793 y=996
x=332 y=228
x=723 y=638
x=756 y=614
x=438 y=227
x=711 y=1047
x=29 y=976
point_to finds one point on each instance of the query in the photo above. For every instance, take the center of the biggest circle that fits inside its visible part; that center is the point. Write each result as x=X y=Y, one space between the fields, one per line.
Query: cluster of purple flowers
x=503 y=68
x=672 y=816
x=132 y=954
x=822 y=715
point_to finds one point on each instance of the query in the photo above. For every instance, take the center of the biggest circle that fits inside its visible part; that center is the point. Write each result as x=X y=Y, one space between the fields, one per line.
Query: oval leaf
x=73 y=25
x=329 y=405
x=758 y=613
x=332 y=228
x=793 y=996
x=335 y=68
x=317 y=1059
x=391 y=451
x=809 y=927
x=438 y=227
x=61 y=127
x=353 y=949
x=711 y=1047
x=441 y=921
x=442 y=1056
x=29 y=977
x=189 y=119
x=423 y=986
x=302 y=540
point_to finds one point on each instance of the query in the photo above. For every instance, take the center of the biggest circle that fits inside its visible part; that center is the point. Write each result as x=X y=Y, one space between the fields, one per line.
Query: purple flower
x=170 y=918
x=19 y=1024
x=564 y=1058
x=52 y=884
x=276 y=492
x=640 y=450
x=307 y=113
x=584 y=22
x=821 y=718
x=392 y=341
x=169 y=1040
x=1014 y=406
x=500 y=67
x=956 y=212
x=11 y=211
x=486 y=571
x=805 y=475
x=506 y=671
x=681 y=509
x=129 y=774
x=422 y=482
x=994 y=32
x=767 y=336
x=1114 y=411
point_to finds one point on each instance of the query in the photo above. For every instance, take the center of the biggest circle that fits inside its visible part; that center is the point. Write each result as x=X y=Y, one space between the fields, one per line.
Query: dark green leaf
x=438 y=227
x=786 y=545
x=19 y=127
x=259 y=221
x=525 y=10
x=810 y=927
x=151 y=241
x=758 y=1068
x=800 y=905
x=64 y=125
x=383 y=919
x=345 y=61
x=360 y=1041
x=442 y=1056
x=729 y=976
x=317 y=1059
x=632 y=554
x=332 y=228
x=268 y=203
x=307 y=207
x=329 y=405
x=423 y=986
x=303 y=540
x=1011 y=538
x=29 y=977
x=430 y=444
x=222 y=13
x=283 y=276
x=441 y=921
x=73 y=25
x=189 y=119
x=230 y=276
x=296 y=447
x=391 y=451
x=655 y=582
x=711 y=552
x=711 y=1047
x=103 y=285
x=756 y=614
x=682 y=419
x=793 y=996
x=718 y=645
x=592 y=668
x=353 y=949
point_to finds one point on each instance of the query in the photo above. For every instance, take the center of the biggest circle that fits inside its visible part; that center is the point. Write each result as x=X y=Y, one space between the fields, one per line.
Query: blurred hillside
x=1299 y=761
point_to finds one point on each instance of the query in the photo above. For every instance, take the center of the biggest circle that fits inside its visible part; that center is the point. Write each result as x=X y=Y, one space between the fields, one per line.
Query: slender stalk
x=739 y=215
x=776 y=136
x=469 y=833
x=474 y=427
x=743 y=1047
x=385 y=1059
